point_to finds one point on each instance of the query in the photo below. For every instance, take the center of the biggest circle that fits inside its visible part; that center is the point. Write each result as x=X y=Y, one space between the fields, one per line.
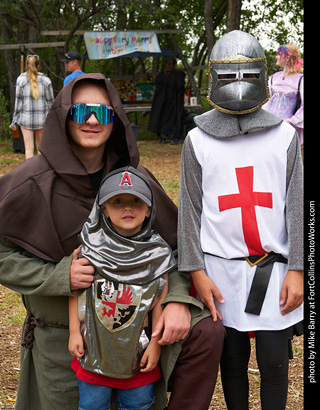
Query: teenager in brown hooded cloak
x=43 y=204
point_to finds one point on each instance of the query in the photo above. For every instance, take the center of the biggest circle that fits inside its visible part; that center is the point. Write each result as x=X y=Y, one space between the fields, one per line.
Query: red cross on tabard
x=246 y=199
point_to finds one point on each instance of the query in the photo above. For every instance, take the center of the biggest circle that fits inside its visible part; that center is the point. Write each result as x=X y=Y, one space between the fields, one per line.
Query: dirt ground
x=164 y=162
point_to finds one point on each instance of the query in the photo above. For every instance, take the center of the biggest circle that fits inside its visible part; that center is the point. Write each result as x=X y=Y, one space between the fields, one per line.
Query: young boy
x=109 y=331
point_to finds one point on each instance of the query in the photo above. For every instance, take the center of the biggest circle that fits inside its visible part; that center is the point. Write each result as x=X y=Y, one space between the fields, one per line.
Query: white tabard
x=243 y=214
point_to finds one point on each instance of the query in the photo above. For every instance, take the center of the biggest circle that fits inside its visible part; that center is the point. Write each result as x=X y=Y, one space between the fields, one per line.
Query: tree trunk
x=208 y=19
x=13 y=73
x=234 y=14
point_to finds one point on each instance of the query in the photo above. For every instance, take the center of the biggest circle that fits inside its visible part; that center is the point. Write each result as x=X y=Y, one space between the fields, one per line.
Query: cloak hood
x=137 y=259
x=46 y=199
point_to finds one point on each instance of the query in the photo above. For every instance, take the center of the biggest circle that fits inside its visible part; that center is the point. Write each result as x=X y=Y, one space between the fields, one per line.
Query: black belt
x=261 y=279
x=259 y=286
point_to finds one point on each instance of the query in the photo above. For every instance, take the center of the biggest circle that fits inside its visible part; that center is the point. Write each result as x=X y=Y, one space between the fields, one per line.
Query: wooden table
x=145 y=106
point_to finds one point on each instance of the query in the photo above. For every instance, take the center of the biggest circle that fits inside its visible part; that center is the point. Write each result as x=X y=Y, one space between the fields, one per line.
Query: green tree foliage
x=24 y=21
x=278 y=21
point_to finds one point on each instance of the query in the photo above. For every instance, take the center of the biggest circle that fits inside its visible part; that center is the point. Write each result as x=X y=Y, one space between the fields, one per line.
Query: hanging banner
x=101 y=45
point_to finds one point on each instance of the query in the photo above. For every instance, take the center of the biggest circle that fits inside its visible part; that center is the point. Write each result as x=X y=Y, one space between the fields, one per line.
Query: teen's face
x=127 y=213
x=90 y=134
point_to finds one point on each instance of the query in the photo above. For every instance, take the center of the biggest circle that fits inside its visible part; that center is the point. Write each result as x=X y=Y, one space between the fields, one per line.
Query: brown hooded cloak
x=44 y=203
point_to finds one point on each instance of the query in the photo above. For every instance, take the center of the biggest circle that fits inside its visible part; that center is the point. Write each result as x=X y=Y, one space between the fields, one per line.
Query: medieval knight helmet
x=237 y=74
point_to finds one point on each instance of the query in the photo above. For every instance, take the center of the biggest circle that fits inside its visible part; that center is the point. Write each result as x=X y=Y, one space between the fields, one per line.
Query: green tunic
x=47 y=381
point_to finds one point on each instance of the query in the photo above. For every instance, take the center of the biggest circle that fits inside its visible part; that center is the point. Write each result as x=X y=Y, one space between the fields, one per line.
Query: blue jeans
x=95 y=397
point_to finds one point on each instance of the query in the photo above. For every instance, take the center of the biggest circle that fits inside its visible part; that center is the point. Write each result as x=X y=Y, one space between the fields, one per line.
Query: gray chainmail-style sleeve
x=294 y=205
x=190 y=209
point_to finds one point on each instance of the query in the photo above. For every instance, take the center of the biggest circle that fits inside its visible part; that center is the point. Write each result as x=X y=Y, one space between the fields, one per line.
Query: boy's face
x=127 y=213
x=91 y=134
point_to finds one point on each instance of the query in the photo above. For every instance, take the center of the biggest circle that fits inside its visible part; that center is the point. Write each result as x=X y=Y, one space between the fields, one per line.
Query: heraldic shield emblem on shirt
x=116 y=304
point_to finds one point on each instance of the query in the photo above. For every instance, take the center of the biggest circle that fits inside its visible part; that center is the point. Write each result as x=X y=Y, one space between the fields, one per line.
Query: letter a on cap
x=126 y=180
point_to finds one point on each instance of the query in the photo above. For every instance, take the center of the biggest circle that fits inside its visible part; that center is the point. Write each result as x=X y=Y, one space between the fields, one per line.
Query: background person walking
x=72 y=61
x=34 y=96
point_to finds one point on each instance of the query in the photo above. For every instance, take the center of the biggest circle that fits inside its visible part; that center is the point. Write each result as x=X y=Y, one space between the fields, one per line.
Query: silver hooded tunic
x=129 y=277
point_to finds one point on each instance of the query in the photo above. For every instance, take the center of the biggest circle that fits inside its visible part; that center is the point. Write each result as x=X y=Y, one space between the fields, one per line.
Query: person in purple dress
x=286 y=89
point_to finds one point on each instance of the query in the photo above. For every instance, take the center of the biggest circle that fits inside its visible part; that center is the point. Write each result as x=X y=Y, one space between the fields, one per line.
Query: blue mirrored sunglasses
x=80 y=113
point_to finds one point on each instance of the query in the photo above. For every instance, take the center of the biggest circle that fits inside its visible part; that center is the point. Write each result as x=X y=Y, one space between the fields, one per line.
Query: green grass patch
x=11 y=306
x=6 y=150
x=9 y=161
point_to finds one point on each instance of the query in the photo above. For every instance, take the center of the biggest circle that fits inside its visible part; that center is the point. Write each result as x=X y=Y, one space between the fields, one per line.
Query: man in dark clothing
x=167 y=113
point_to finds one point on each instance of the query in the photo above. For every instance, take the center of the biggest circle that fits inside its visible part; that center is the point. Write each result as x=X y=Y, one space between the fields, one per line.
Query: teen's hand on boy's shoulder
x=81 y=272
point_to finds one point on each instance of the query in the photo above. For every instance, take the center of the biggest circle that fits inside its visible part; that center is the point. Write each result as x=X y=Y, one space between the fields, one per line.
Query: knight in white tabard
x=241 y=220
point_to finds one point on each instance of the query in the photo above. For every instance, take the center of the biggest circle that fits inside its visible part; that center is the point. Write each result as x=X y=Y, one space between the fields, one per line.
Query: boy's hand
x=291 y=295
x=81 y=272
x=150 y=357
x=76 y=345
x=207 y=291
